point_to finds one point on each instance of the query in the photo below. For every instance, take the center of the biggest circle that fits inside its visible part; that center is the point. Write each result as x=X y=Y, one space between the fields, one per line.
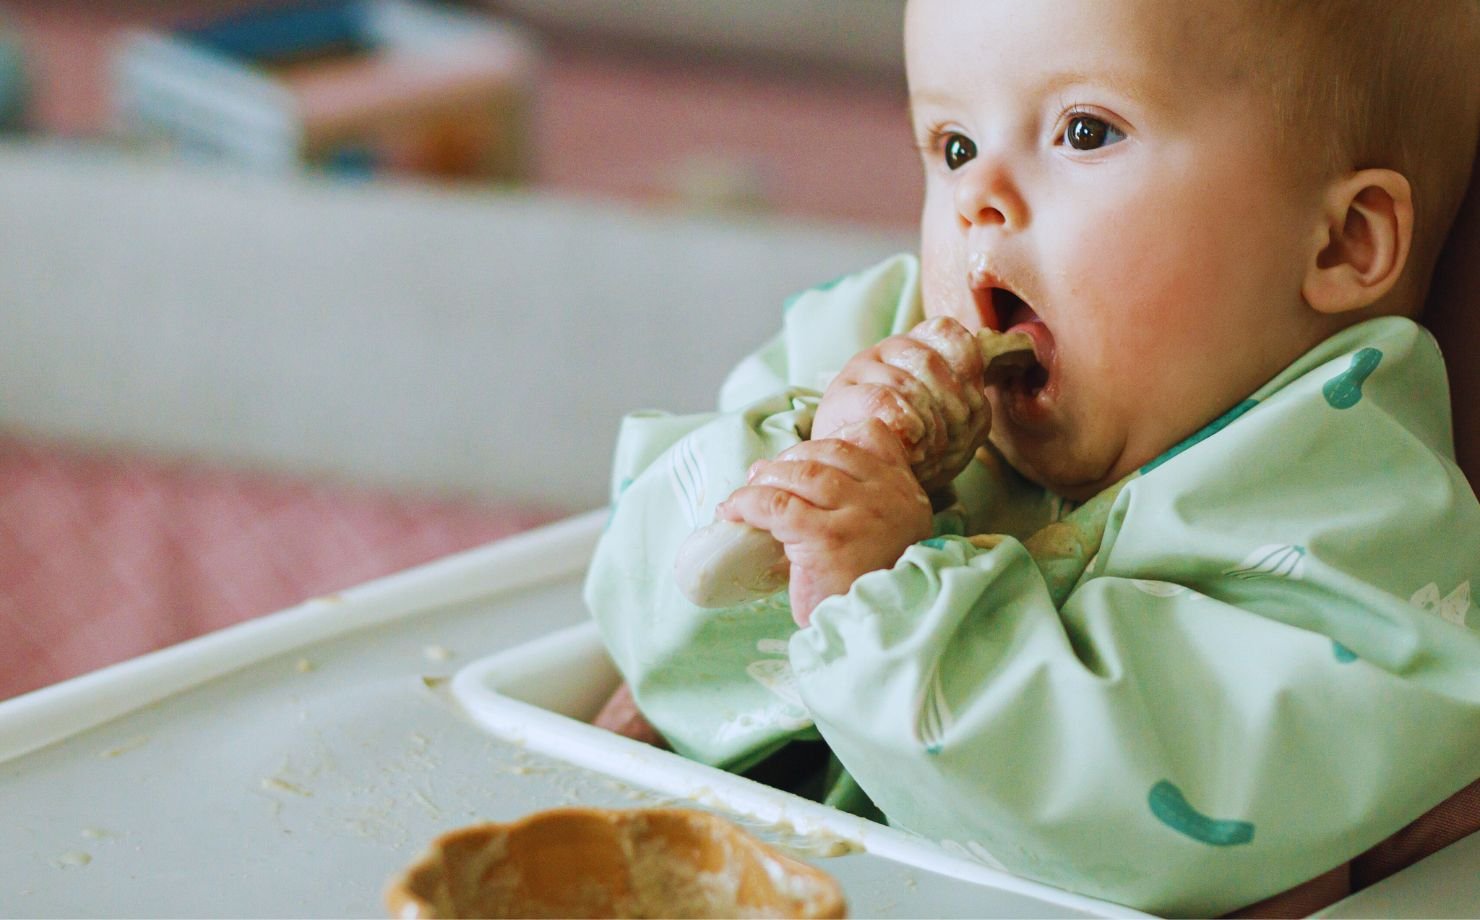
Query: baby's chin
x=1061 y=466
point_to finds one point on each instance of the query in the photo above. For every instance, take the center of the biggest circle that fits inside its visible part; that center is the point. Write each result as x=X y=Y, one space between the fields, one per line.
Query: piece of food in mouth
x=1005 y=354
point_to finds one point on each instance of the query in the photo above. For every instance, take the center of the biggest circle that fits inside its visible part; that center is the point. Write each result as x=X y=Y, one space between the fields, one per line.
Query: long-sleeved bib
x=1239 y=667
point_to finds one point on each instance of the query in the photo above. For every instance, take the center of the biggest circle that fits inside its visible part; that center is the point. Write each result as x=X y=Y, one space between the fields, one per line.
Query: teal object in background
x=15 y=89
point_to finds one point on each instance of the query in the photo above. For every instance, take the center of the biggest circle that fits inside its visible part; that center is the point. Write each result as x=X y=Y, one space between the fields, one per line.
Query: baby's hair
x=1380 y=83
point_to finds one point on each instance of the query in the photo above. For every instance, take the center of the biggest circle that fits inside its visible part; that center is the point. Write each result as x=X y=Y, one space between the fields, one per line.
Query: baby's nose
x=987 y=196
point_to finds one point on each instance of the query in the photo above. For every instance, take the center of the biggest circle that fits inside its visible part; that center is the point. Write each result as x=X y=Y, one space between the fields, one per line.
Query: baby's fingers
x=809 y=475
x=954 y=390
x=860 y=447
x=785 y=514
x=934 y=391
x=873 y=400
x=954 y=343
x=860 y=451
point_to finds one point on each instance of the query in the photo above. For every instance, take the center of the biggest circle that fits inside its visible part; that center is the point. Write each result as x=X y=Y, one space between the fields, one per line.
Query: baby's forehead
x=1165 y=51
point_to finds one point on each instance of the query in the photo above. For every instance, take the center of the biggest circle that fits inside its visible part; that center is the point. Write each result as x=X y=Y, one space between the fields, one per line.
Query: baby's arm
x=897 y=424
x=669 y=471
x=924 y=392
x=715 y=683
x=848 y=501
x=1252 y=666
x=668 y=474
x=620 y=714
x=1148 y=743
x=927 y=387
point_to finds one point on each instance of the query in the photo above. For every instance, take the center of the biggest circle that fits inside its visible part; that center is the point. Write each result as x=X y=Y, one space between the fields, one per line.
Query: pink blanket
x=104 y=557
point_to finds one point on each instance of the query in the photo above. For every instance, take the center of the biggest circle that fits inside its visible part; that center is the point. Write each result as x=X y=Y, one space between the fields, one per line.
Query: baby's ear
x=1362 y=242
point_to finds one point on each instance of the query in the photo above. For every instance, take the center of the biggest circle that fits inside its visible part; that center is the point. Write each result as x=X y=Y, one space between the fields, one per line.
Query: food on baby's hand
x=592 y=862
x=955 y=424
x=727 y=563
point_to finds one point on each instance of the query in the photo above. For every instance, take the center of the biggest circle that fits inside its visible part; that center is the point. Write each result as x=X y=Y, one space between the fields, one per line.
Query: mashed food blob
x=590 y=862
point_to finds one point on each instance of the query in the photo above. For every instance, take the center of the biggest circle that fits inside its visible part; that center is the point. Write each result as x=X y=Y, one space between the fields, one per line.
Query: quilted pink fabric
x=104 y=557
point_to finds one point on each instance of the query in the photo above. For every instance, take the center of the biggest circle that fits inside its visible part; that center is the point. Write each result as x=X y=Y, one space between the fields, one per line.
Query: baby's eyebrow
x=1138 y=89
x=1135 y=88
x=929 y=97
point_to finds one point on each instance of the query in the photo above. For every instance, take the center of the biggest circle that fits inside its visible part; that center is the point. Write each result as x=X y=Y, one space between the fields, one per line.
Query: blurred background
x=296 y=294
x=791 y=106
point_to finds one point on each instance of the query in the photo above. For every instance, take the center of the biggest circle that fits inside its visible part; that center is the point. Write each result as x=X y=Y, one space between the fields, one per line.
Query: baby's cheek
x=942 y=283
x=1144 y=279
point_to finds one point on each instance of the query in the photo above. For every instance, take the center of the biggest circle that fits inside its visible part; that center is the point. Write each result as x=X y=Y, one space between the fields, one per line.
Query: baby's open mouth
x=1013 y=314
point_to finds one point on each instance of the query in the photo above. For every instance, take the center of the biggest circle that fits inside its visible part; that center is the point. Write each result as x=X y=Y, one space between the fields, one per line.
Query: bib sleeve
x=1267 y=669
x=717 y=683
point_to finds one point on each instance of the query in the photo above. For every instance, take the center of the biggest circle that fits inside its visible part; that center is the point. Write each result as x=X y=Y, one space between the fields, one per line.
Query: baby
x=1189 y=632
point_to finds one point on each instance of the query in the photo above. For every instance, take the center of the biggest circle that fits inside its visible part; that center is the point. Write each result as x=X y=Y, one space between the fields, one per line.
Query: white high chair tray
x=287 y=767
x=542 y=695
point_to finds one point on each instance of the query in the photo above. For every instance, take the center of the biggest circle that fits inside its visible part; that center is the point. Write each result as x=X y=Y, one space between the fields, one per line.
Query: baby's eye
x=959 y=151
x=1086 y=132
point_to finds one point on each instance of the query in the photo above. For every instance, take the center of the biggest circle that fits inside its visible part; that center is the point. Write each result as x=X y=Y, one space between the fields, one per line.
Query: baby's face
x=1099 y=176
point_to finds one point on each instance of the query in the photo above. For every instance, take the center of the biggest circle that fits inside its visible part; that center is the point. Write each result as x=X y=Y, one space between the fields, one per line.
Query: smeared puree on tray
x=592 y=862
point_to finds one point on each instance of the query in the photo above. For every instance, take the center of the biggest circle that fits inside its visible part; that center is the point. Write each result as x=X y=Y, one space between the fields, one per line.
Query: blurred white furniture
x=475 y=344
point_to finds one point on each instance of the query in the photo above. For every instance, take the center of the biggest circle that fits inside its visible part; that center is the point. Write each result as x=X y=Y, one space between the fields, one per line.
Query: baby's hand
x=927 y=388
x=842 y=506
